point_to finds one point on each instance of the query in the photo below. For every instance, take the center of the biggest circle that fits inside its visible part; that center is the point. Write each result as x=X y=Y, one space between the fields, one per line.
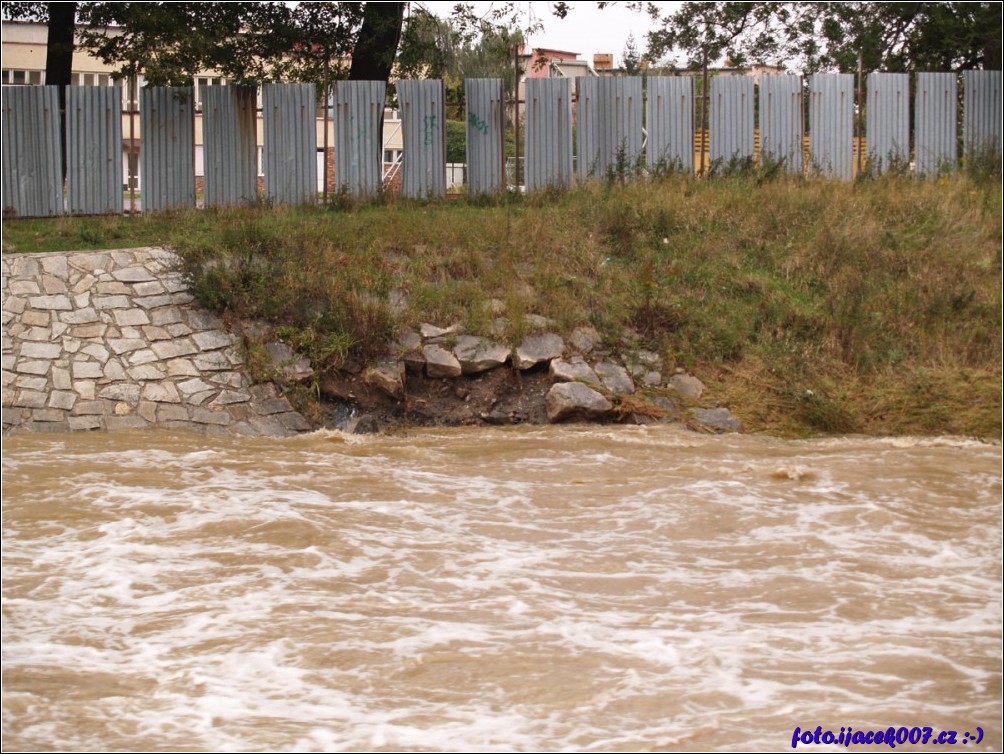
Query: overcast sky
x=585 y=30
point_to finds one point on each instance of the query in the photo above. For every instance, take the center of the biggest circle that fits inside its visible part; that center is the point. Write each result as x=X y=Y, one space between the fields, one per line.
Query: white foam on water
x=591 y=589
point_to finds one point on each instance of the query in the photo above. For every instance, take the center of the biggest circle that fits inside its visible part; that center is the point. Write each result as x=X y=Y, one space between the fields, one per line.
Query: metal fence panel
x=424 y=134
x=888 y=120
x=831 y=124
x=670 y=120
x=781 y=122
x=609 y=125
x=358 y=120
x=485 y=136
x=935 y=125
x=981 y=92
x=32 y=155
x=731 y=120
x=167 y=155
x=230 y=143
x=94 y=150
x=290 y=153
x=548 y=133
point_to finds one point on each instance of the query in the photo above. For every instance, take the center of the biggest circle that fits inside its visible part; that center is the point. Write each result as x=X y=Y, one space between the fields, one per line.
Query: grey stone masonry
x=111 y=339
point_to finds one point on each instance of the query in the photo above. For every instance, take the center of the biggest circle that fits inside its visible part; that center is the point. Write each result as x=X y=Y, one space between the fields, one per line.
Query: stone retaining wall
x=113 y=340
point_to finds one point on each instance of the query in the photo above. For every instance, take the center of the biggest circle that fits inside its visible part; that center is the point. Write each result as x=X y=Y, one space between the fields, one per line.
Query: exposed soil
x=501 y=396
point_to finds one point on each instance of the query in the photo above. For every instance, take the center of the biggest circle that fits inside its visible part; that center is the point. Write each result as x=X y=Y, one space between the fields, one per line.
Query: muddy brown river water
x=589 y=588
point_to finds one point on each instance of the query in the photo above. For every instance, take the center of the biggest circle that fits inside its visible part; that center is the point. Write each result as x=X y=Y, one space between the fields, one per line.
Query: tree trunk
x=59 y=59
x=376 y=47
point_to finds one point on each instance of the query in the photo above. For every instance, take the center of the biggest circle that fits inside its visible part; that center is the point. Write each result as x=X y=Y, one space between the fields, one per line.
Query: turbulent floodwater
x=574 y=588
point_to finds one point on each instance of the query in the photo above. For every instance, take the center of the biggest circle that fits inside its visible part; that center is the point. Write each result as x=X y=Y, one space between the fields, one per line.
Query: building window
x=126 y=88
x=23 y=78
x=204 y=81
x=91 y=79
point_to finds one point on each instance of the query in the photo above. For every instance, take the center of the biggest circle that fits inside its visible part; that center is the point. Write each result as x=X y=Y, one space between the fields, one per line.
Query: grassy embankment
x=807 y=306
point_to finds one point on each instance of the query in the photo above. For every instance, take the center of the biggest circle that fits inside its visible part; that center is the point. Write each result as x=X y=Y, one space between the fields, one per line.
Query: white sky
x=586 y=29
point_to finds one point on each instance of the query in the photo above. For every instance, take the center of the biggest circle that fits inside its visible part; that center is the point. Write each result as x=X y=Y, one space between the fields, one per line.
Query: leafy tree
x=507 y=16
x=451 y=49
x=59 y=48
x=169 y=42
x=456 y=141
x=631 y=57
x=489 y=57
x=428 y=47
x=829 y=36
x=710 y=33
x=376 y=44
x=898 y=37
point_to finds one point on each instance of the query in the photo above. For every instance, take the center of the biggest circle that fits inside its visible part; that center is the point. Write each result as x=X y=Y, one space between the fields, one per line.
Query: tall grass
x=810 y=305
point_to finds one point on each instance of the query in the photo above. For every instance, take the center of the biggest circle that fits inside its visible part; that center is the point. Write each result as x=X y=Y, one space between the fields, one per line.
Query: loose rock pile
x=587 y=383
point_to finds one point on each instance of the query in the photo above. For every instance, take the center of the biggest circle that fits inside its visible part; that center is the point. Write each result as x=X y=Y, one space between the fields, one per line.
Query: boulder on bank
x=615 y=378
x=585 y=338
x=434 y=334
x=719 y=419
x=645 y=366
x=386 y=377
x=286 y=364
x=573 y=400
x=409 y=348
x=537 y=349
x=440 y=363
x=574 y=370
x=687 y=386
x=478 y=355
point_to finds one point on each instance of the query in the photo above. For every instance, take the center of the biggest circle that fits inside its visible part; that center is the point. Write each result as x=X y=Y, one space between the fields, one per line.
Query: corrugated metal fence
x=730 y=125
x=935 y=103
x=548 y=133
x=982 y=108
x=781 y=122
x=485 y=136
x=888 y=120
x=167 y=167
x=230 y=130
x=670 y=120
x=289 y=116
x=423 y=128
x=358 y=147
x=831 y=124
x=609 y=125
x=32 y=170
x=612 y=134
x=94 y=150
